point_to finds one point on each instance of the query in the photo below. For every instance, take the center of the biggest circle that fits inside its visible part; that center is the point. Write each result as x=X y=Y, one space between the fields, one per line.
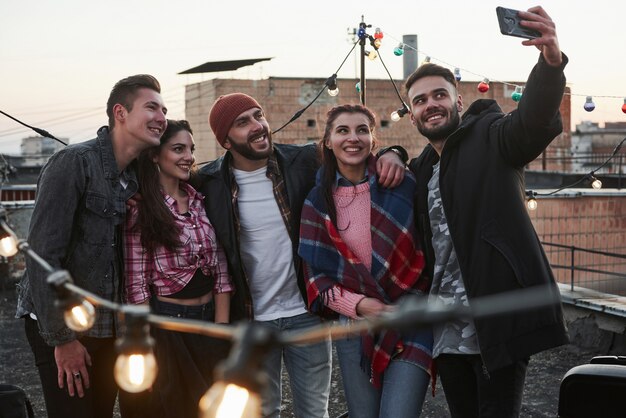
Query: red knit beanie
x=225 y=110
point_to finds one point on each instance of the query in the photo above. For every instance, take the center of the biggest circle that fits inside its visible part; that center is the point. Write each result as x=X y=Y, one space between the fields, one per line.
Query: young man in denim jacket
x=79 y=209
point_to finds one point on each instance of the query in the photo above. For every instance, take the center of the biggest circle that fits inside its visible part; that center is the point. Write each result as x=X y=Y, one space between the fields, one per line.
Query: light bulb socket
x=135 y=331
x=243 y=366
x=65 y=298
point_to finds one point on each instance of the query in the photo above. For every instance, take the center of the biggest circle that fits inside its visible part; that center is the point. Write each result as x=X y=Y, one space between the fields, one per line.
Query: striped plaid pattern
x=397 y=262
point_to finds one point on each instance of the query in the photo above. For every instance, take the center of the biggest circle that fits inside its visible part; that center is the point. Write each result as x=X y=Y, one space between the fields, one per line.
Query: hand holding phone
x=510 y=24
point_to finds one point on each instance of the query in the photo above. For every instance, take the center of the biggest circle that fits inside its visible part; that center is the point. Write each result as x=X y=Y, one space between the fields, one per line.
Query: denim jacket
x=79 y=209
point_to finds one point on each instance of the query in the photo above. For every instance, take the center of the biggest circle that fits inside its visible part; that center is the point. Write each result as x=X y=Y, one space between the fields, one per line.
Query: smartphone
x=509 y=24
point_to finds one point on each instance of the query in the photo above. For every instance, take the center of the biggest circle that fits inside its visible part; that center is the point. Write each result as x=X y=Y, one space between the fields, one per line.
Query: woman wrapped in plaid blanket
x=361 y=254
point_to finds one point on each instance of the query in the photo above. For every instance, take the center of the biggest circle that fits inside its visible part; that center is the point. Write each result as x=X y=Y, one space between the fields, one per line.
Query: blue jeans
x=308 y=366
x=403 y=388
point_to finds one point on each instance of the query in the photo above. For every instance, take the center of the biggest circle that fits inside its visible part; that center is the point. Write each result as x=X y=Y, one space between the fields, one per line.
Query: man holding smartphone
x=479 y=239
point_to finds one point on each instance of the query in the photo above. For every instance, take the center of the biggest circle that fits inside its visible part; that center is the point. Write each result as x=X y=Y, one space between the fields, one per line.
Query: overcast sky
x=59 y=59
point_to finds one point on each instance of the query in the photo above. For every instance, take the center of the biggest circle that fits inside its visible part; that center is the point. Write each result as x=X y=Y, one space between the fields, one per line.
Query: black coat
x=483 y=195
x=298 y=164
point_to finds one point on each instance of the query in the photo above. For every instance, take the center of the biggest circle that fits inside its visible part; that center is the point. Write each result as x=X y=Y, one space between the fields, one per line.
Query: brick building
x=282 y=97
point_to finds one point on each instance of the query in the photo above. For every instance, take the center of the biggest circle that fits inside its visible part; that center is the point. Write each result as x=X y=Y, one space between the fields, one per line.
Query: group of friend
x=293 y=235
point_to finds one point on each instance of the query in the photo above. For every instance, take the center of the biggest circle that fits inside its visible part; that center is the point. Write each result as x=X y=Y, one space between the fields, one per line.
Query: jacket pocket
x=492 y=234
x=97 y=221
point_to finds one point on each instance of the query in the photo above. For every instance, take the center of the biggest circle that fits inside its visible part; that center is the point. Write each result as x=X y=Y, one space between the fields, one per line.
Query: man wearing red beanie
x=253 y=197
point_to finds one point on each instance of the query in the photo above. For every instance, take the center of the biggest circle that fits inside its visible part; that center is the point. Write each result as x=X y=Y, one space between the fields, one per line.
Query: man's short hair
x=125 y=91
x=429 y=69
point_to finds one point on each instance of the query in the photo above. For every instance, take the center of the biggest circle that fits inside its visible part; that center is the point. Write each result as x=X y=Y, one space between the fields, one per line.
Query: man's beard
x=249 y=153
x=441 y=132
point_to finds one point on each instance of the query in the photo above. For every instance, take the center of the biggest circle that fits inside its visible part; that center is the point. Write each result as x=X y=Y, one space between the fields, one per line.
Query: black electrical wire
x=587 y=176
x=393 y=83
x=41 y=132
x=333 y=77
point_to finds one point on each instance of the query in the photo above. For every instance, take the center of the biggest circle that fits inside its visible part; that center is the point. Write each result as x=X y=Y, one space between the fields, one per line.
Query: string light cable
x=590 y=177
x=589 y=105
x=404 y=109
x=41 y=132
x=330 y=84
x=240 y=380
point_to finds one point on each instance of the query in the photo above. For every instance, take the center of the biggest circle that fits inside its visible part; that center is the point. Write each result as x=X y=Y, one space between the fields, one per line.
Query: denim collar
x=106 y=151
x=342 y=181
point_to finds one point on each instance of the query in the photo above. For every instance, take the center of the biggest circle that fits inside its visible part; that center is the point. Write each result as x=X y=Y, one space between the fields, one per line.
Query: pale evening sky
x=59 y=59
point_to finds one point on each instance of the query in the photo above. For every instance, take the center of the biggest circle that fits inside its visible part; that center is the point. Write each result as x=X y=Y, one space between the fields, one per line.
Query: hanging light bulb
x=589 y=104
x=135 y=373
x=457 y=74
x=377 y=43
x=227 y=400
x=135 y=368
x=361 y=32
x=331 y=83
x=79 y=314
x=378 y=34
x=531 y=202
x=240 y=378
x=595 y=182
x=372 y=55
x=426 y=60
x=399 y=50
x=517 y=94
x=624 y=106
x=80 y=317
x=357 y=86
x=483 y=86
x=8 y=240
x=396 y=115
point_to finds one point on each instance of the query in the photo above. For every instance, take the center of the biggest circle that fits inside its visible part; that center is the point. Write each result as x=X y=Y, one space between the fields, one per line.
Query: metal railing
x=593 y=269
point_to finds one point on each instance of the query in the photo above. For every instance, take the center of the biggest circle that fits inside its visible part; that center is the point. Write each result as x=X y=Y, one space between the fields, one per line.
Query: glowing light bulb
x=589 y=104
x=531 y=203
x=395 y=116
x=399 y=50
x=378 y=34
x=426 y=60
x=80 y=317
x=135 y=372
x=517 y=94
x=8 y=239
x=483 y=86
x=8 y=246
x=372 y=55
x=377 y=43
x=333 y=92
x=457 y=74
x=227 y=400
x=357 y=86
x=595 y=183
x=624 y=106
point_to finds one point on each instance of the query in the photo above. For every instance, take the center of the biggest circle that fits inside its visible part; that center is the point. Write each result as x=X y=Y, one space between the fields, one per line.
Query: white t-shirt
x=266 y=249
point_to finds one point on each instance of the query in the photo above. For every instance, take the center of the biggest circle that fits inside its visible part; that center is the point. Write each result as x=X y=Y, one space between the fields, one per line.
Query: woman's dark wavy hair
x=155 y=220
x=329 y=161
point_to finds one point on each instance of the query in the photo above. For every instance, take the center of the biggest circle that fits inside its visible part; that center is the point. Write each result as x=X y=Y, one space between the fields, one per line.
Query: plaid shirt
x=166 y=272
x=280 y=194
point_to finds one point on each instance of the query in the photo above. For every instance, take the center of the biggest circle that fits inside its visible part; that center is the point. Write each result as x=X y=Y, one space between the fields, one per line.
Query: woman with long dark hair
x=174 y=262
x=361 y=253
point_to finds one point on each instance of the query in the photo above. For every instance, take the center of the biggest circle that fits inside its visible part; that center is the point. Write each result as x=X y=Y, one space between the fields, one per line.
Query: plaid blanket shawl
x=397 y=262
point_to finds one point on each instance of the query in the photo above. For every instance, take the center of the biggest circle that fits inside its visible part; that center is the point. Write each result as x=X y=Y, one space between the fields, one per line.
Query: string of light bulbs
x=483 y=86
x=531 y=201
x=239 y=379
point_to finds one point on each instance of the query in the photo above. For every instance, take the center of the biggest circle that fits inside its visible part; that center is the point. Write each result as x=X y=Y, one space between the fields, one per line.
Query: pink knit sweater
x=353 y=207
